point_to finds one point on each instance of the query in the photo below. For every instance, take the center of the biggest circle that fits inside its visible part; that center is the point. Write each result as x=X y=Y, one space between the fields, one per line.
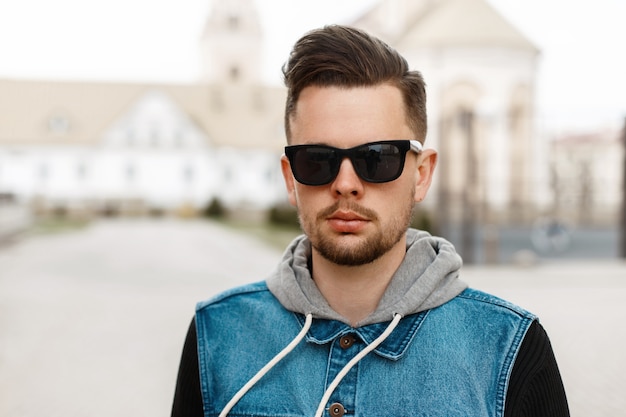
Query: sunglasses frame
x=403 y=145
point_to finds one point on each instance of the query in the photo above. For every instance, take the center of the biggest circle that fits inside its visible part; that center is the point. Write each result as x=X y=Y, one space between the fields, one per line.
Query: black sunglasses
x=376 y=162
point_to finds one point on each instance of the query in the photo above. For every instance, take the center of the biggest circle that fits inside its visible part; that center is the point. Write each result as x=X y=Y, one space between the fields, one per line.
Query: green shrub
x=284 y=215
x=422 y=220
x=215 y=209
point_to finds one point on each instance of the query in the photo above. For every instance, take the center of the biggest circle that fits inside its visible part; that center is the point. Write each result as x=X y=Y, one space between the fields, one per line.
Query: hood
x=428 y=277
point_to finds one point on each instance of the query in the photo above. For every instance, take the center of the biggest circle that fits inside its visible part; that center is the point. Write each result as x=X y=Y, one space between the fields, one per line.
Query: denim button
x=346 y=341
x=336 y=410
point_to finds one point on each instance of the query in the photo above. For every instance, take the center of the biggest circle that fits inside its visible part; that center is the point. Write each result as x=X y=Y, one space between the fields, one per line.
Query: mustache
x=348 y=206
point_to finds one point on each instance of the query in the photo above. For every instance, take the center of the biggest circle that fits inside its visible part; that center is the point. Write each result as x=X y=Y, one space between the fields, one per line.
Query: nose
x=347 y=182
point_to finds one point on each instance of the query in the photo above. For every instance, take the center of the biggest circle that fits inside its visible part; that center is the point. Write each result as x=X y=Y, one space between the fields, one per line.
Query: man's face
x=350 y=221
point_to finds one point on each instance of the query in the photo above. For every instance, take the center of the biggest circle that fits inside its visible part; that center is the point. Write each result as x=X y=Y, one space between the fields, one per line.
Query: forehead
x=346 y=117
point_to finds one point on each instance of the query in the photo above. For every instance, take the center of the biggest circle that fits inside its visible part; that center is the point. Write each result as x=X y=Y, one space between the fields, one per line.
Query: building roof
x=63 y=112
x=50 y=112
x=453 y=23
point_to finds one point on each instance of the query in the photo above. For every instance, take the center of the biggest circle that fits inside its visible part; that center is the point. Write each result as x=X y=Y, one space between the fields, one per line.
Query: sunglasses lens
x=378 y=162
x=373 y=162
x=314 y=165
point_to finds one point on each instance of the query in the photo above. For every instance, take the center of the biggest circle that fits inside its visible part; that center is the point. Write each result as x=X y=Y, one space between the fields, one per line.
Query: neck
x=355 y=291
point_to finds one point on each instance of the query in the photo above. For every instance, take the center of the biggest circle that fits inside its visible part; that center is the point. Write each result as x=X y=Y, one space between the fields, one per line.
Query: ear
x=290 y=182
x=426 y=162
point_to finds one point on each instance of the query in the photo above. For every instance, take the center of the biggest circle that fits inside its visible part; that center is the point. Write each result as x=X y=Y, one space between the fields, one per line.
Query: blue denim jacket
x=451 y=360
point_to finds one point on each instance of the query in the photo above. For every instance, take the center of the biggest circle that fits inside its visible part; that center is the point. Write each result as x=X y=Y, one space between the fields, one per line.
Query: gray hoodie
x=428 y=277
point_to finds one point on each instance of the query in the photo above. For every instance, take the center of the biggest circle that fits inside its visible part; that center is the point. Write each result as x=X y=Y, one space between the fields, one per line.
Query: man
x=363 y=316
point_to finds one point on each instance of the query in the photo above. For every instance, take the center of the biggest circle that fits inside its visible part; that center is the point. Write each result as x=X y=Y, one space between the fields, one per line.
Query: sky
x=581 y=82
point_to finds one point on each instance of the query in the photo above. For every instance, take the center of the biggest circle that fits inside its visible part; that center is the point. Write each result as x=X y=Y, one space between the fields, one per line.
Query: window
x=59 y=125
x=178 y=139
x=81 y=171
x=130 y=172
x=154 y=137
x=43 y=171
x=130 y=137
x=233 y=22
x=234 y=72
x=188 y=173
x=228 y=175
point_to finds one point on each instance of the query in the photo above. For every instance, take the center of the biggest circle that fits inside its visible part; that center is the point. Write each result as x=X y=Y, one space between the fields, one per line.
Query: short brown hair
x=341 y=56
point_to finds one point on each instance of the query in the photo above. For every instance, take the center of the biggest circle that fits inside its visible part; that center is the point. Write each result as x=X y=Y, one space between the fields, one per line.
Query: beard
x=367 y=249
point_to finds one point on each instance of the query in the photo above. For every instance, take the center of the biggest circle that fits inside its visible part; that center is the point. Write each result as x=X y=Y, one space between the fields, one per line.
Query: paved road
x=92 y=322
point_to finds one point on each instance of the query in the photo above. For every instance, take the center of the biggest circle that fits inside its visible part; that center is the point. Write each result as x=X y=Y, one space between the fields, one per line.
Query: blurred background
x=139 y=147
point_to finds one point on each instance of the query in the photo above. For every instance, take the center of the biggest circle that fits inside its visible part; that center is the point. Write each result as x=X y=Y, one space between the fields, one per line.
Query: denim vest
x=453 y=360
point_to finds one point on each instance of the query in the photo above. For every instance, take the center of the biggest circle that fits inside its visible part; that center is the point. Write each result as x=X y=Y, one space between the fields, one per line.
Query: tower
x=231 y=43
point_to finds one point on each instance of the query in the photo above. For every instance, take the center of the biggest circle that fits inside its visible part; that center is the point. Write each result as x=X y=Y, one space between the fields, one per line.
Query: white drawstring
x=268 y=366
x=331 y=388
x=380 y=339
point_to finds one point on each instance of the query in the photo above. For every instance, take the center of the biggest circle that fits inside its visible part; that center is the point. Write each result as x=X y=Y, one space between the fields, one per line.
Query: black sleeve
x=188 y=396
x=536 y=388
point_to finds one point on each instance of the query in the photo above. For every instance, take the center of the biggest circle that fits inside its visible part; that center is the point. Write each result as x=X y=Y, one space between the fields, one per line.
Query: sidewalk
x=92 y=322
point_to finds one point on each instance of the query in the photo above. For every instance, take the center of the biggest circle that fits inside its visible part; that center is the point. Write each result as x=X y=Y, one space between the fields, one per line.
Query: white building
x=133 y=147
x=480 y=75
x=111 y=146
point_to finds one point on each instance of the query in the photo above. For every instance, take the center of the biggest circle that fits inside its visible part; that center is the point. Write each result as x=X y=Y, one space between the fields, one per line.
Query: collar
x=393 y=348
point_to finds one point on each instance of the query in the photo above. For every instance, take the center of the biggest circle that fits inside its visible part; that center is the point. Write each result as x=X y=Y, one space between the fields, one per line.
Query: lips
x=346 y=222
